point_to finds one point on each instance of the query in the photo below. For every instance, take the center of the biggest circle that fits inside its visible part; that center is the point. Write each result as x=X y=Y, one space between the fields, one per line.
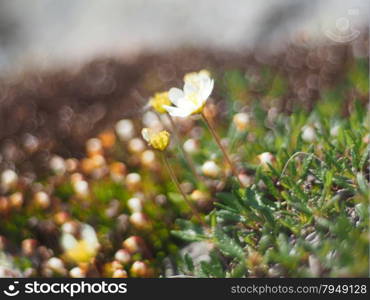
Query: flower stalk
x=218 y=141
x=176 y=182
x=184 y=153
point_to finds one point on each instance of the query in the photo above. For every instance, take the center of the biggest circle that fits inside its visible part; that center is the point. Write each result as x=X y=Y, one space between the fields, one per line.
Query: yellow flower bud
x=158 y=141
x=159 y=100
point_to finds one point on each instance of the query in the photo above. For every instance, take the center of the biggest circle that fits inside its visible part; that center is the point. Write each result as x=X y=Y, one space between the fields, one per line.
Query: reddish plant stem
x=218 y=141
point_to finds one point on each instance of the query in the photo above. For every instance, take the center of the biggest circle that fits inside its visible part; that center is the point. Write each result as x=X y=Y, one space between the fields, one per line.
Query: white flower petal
x=175 y=95
x=68 y=241
x=190 y=88
x=207 y=90
x=177 y=112
x=203 y=76
x=88 y=234
x=146 y=133
x=197 y=88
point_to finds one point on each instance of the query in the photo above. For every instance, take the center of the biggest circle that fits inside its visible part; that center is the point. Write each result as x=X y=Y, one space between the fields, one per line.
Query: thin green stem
x=184 y=153
x=296 y=154
x=218 y=141
x=176 y=182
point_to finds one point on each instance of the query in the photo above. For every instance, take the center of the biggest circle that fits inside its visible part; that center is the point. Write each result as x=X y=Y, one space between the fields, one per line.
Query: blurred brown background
x=70 y=69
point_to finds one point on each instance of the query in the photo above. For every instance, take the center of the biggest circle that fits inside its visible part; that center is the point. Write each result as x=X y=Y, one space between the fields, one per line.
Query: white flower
x=136 y=145
x=58 y=165
x=135 y=204
x=191 y=146
x=94 y=146
x=56 y=264
x=210 y=169
x=123 y=256
x=42 y=199
x=139 y=220
x=308 y=133
x=119 y=274
x=77 y=272
x=241 y=121
x=151 y=120
x=133 y=181
x=191 y=100
x=148 y=158
x=81 y=188
x=125 y=129
x=334 y=131
x=266 y=158
x=7 y=267
x=84 y=249
x=9 y=179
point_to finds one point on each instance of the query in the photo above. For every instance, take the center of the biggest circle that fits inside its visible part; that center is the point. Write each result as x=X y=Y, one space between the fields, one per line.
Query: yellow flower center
x=82 y=252
x=193 y=97
x=159 y=100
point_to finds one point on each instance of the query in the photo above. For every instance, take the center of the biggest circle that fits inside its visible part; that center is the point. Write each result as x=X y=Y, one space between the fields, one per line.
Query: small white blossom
x=135 y=204
x=8 y=179
x=58 y=165
x=266 y=158
x=191 y=146
x=210 y=169
x=335 y=130
x=241 y=121
x=125 y=129
x=77 y=272
x=191 y=100
x=308 y=134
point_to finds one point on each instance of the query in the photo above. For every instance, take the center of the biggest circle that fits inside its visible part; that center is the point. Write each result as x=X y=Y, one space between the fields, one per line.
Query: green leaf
x=189 y=262
x=240 y=270
x=228 y=216
x=189 y=231
x=213 y=268
x=227 y=245
x=362 y=184
x=232 y=201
